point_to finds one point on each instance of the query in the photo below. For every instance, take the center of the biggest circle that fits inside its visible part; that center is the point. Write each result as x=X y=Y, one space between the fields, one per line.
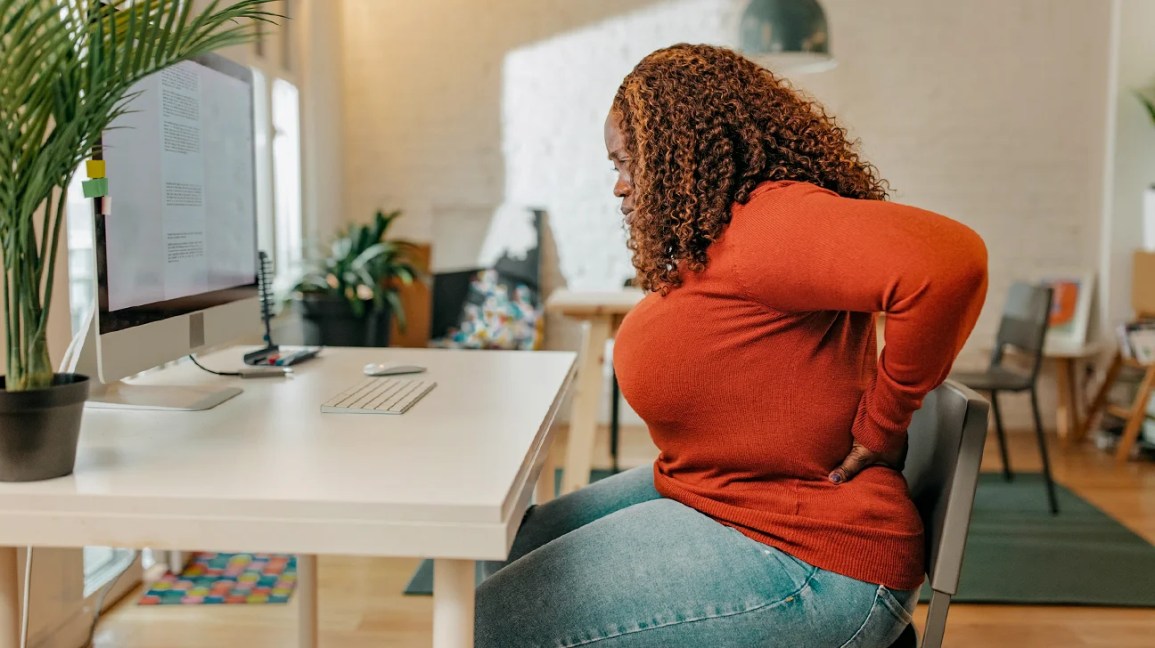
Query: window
x=102 y=565
x=81 y=254
x=278 y=142
x=286 y=117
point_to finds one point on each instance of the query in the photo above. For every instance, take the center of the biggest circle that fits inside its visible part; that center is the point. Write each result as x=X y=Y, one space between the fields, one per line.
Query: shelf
x=1141 y=444
x=1119 y=411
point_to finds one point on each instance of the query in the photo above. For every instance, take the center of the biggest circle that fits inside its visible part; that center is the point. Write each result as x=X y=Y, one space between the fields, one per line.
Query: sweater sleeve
x=803 y=249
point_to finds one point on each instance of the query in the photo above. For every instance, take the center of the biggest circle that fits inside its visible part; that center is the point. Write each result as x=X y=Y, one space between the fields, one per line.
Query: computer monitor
x=175 y=239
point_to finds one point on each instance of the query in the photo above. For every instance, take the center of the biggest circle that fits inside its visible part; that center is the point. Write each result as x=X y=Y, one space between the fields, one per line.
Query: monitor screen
x=178 y=234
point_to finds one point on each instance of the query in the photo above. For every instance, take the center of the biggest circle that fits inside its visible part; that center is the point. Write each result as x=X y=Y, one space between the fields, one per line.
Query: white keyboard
x=379 y=396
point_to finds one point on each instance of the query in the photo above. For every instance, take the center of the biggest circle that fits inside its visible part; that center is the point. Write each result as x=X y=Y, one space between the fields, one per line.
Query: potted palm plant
x=348 y=297
x=66 y=68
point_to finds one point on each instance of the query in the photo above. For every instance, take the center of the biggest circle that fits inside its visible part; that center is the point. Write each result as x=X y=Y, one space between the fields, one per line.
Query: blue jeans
x=616 y=565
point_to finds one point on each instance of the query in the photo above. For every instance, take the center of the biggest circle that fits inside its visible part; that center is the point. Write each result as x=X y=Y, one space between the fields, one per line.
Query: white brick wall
x=990 y=111
x=1133 y=153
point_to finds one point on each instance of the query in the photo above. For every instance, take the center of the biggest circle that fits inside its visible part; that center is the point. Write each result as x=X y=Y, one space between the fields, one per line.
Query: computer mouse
x=379 y=369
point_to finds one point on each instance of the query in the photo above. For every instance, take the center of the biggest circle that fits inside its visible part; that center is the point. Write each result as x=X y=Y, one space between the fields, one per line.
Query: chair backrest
x=946 y=439
x=1024 y=323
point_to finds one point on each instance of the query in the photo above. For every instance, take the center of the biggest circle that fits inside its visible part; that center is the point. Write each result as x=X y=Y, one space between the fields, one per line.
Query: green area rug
x=1018 y=553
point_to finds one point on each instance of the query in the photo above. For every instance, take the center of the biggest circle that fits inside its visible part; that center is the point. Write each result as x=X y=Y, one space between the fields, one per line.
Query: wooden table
x=1071 y=395
x=601 y=313
x=266 y=471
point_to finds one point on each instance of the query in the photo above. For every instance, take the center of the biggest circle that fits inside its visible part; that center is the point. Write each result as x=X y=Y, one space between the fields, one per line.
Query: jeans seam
x=869 y=613
x=764 y=606
x=900 y=613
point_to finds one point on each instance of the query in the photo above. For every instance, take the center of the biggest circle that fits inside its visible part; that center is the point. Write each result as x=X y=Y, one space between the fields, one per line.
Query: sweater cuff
x=880 y=425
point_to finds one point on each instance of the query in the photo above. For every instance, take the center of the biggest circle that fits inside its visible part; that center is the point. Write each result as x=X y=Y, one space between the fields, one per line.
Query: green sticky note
x=95 y=188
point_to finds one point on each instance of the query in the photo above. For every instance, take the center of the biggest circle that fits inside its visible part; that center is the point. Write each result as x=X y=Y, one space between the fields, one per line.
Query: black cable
x=217 y=373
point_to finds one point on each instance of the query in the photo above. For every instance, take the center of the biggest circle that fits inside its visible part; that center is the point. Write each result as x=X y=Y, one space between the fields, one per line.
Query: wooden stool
x=1133 y=413
x=1143 y=303
x=1071 y=395
x=601 y=313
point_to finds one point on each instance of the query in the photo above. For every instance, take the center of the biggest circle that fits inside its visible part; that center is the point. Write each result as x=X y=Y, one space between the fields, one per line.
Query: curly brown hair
x=703 y=127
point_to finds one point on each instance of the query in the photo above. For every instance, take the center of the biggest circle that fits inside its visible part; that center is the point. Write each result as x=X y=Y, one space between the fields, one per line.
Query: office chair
x=946 y=440
x=1024 y=326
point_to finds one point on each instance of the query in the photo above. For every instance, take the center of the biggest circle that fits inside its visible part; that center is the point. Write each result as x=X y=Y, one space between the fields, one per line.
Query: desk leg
x=1064 y=374
x=9 y=599
x=583 y=418
x=453 y=600
x=307 y=601
x=546 y=481
x=1078 y=397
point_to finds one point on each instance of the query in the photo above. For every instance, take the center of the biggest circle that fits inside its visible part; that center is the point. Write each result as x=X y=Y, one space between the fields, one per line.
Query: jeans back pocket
x=887 y=618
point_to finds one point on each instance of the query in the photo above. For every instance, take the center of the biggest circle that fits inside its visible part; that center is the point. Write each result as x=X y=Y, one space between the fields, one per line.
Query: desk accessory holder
x=271 y=354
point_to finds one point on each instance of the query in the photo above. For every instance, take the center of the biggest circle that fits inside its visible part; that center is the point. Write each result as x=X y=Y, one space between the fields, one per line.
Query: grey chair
x=1023 y=326
x=946 y=440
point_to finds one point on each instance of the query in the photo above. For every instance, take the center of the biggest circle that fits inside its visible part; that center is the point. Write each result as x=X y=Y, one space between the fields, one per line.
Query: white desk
x=266 y=471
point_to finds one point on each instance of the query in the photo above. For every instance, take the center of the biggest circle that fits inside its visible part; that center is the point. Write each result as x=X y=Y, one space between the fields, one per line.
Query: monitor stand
x=122 y=395
x=81 y=357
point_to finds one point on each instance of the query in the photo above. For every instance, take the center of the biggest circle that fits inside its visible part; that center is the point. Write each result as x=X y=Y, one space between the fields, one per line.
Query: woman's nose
x=622 y=188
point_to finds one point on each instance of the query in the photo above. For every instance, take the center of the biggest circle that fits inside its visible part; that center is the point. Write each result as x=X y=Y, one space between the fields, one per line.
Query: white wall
x=1132 y=149
x=556 y=94
x=989 y=111
x=423 y=99
x=318 y=37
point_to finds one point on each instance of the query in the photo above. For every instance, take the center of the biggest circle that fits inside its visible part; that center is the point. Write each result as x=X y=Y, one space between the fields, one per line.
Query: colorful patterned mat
x=227 y=579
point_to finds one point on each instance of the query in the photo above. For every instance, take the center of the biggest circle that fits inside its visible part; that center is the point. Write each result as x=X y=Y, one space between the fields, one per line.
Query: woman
x=775 y=514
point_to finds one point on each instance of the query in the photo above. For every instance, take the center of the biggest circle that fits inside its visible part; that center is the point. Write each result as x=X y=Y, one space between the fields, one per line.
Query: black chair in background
x=1023 y=326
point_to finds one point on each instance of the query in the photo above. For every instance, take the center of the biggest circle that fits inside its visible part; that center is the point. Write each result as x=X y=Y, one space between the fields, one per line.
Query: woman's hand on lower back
x=861 y=458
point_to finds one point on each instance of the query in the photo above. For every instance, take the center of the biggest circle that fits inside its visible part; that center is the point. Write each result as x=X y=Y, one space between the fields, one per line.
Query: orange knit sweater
x=755 y=374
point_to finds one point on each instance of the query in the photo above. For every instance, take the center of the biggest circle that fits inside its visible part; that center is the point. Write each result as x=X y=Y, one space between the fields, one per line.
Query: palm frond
x=67 y=68
x=1148 y=101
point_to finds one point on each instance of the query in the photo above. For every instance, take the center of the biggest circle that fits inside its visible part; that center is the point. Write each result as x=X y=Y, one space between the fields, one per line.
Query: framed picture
x=1070 y=310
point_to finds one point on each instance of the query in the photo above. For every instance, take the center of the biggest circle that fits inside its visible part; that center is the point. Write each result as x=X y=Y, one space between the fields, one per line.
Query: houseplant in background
x=348 y=297
x=1147 y=98
x=66 y=69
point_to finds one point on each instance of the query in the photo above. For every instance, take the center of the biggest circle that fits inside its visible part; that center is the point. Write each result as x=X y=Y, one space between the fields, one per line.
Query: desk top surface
x=1074 y=351
x=593 y=302
x=455 y=456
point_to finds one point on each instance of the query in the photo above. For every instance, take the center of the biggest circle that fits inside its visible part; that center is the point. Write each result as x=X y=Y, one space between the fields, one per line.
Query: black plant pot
x=329 y=321
x=39 y=429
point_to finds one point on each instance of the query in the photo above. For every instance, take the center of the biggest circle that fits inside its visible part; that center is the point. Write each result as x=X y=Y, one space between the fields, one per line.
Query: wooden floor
x=361 y=603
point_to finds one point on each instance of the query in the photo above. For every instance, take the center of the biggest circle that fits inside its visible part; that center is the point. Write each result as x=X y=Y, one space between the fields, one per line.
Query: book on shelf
x=1137 y=340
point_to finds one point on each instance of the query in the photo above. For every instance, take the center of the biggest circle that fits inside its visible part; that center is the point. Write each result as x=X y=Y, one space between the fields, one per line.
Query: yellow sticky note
x=95 y=168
